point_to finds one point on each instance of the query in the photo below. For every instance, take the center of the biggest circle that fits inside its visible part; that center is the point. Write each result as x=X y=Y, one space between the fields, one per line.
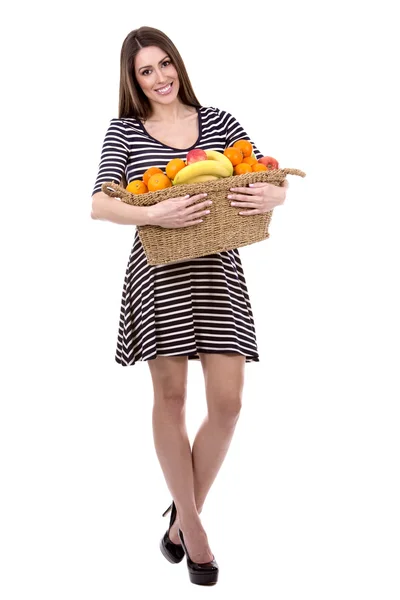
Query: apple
x=195 y=155
x=269 y=162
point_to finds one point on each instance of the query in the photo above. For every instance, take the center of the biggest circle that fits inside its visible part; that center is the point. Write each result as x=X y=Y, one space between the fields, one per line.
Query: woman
x=191 y=310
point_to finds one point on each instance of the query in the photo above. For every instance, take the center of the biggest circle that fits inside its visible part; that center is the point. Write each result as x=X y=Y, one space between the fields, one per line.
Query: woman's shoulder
x=125 y=126
x=217 y=114
x=219 y=117
x=126 y=123
x=213 y=111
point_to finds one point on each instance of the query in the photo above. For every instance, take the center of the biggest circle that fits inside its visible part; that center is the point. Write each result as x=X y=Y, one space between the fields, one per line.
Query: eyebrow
x=149 y=66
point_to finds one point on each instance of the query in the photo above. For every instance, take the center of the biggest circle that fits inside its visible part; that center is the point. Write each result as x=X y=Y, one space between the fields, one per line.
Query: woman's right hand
x=178 y=212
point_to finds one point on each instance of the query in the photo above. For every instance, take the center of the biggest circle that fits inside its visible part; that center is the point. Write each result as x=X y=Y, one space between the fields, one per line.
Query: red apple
x=269 y=162
x=195 y=155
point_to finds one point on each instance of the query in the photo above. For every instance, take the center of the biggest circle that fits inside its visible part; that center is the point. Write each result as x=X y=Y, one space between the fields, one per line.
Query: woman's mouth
x=164 y=90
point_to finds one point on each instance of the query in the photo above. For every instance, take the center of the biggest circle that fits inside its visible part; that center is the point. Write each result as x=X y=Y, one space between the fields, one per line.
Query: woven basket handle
x=293 y=172
x=114 y=190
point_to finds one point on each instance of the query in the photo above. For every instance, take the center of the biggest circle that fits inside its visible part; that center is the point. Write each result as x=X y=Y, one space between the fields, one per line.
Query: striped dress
x=181 y=309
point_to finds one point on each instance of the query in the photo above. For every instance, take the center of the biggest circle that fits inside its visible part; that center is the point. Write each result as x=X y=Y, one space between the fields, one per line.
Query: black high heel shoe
x=200 y=573
x=174 y=553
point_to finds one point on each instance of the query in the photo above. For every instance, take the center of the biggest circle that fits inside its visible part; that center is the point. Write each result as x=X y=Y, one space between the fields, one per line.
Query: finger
x=190 y=199
x=245 y=204
x=193 y=222
x=243 y=197
x=250 y=212
x=197 y=211
x=244 y=190
x=259 y=184
x=199 y=206
x=198 y=196
x=194 y=202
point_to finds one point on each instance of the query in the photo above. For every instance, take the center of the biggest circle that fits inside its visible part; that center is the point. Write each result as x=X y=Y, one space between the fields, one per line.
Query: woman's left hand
x=259 y=197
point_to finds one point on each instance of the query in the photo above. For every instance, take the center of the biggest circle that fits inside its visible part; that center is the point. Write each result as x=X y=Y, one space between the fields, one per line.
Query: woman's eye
x=166 y=63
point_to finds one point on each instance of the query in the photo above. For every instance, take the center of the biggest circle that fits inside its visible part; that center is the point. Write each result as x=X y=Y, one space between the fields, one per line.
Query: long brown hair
x=132 y=100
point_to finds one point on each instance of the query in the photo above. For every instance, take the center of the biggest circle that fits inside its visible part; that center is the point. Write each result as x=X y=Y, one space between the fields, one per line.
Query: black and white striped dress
x=199 y=305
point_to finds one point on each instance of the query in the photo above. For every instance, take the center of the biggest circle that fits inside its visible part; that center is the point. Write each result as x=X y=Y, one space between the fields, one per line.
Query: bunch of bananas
x=217 y=165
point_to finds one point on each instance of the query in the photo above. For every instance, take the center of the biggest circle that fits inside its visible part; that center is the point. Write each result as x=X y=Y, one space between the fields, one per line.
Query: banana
x=218 y=156
x=201 y=167
x=201 y=178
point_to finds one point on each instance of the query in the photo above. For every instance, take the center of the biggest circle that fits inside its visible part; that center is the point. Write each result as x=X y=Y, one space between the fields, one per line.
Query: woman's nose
x=160 y=76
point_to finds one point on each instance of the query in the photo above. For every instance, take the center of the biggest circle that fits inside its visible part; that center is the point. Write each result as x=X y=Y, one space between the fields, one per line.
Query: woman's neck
x=171 y=113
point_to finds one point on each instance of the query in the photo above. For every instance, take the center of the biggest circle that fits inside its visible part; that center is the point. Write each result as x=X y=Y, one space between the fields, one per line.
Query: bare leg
x=173 y=450
x=224 y=380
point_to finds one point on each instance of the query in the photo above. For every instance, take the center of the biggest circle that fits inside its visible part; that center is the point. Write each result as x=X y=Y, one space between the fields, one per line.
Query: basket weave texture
x=223 y=229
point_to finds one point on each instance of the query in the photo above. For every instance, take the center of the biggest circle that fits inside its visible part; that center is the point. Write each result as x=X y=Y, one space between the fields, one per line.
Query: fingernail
x=233 y=189
x=251 y=184
x=230 y=197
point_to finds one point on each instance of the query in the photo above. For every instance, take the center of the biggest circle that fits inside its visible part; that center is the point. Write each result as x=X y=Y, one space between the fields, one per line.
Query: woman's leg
x=224 y=381
x=169 y=375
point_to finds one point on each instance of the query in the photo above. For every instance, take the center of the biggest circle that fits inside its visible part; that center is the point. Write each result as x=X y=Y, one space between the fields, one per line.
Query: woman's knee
x=224 y=379
x=169 y=375
x=225 y=408
x=170 y=399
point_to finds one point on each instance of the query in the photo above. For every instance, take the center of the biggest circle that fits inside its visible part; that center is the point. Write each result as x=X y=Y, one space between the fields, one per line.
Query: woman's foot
x=196 y=542
x=173 y=532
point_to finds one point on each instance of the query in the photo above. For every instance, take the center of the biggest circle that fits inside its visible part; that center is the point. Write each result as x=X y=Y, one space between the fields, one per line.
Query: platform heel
x=200 y=573
x=174 y=553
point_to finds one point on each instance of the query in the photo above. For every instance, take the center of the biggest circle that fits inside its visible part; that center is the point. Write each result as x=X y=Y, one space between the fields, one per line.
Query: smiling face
x=156 y=75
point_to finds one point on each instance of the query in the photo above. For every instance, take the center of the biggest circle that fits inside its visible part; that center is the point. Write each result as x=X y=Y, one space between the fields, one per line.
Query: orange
x=158 y=181
x=242 y=168
x=234 y=154
x=250 y=160
x=136 y=187
x=149 y=173
x=245 y=146
x=259 y=167
x=174 y=166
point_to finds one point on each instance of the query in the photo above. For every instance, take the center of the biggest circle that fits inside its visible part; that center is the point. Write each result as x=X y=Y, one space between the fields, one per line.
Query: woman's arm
x=106 y=208
x=114 y=156
x=113 y=161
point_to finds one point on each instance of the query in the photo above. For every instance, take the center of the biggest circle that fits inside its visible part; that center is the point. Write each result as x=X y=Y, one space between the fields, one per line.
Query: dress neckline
x=200 y=127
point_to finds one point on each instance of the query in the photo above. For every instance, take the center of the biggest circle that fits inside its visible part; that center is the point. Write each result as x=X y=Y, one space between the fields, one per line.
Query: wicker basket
x=223 y=229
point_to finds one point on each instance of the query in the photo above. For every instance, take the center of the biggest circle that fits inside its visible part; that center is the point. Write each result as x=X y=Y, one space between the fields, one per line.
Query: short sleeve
x=235 y=132
x=114 y=155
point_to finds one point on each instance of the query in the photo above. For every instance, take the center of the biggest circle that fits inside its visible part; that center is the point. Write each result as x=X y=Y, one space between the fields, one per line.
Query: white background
x=306 y=502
